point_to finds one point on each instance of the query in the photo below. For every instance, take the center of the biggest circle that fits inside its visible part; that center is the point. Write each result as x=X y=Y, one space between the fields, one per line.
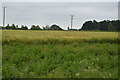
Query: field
x=59 y=54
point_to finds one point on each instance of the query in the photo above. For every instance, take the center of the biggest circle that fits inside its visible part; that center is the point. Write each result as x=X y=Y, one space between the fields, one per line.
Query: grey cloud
x=47 y=13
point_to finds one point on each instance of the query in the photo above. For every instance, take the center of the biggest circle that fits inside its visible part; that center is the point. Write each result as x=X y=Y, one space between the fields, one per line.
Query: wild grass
x=32 y=35
x=59 y=54
x=44 y=37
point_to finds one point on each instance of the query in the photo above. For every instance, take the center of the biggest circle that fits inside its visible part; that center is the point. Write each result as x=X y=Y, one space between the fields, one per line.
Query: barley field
x=59 y=54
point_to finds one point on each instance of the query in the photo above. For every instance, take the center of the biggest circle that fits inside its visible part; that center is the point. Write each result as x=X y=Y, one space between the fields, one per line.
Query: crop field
x=59 y=54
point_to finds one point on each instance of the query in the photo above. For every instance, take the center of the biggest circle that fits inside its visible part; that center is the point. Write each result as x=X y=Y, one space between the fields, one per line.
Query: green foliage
x=105 y=25
x=47 y=27
x=7 y=27
x=60 y=61
x=33 y=27
x=53 y=55
x=1 y=27
x=11 y=27
x=110 y=27
x=55 y=27
x=68 y=28
x=24 y=27
x=87 y=25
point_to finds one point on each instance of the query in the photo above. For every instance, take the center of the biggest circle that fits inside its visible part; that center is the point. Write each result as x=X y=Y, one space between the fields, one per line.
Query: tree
x=13 y=26
x=7 y=27
x=10 y=27
x=87 y=25
x=68 y=28
x=38 y=27
x=47 y=27
x=24 y=27
x=44 y=28
x=33 y=27
x=110 y=27
x=95 y=25
x=116 y=25
x=17 y=27
x=1 y=27
x=55 y=27
x=103 y=25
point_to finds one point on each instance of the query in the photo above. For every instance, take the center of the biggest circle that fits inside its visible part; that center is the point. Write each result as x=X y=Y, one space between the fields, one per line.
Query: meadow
x=59 y=54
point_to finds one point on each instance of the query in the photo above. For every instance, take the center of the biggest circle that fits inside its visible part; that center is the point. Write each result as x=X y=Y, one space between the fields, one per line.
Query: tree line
x=105 y=25
x=33 y=27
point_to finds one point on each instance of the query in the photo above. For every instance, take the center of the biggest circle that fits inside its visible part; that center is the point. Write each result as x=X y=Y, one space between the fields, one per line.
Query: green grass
x=43 y=35
x=34 y=54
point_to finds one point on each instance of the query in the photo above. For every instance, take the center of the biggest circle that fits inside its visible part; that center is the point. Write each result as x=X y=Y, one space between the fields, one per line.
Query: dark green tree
x=1 y=27
x=8 y=27
x=38 y=27
x=44 y=28
x=95 y=25
x=68 y=28
x=116 y=25
x=87 y=25
x=110 y=27
x=103 y=25
x=22 y=27
x=55 y=27
x=33 y=27
x=16 y=26
x=47 y=27
x=25 y=28
x=13 y=26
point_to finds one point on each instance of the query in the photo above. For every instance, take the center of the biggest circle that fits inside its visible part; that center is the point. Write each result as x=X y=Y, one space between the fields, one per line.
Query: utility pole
x=71 y=20
x=118 y=10
x=4 y=12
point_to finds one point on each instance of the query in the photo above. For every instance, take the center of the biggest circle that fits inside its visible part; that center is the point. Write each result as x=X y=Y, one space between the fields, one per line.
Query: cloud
x=46 y=13
x=61 y=0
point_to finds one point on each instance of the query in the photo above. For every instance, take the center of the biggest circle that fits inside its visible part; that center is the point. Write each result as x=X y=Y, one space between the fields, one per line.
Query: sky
x=48 y=13
x=59 y=0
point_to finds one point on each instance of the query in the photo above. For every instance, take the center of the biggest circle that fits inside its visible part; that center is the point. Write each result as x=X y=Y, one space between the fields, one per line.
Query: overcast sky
x=48 y=13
